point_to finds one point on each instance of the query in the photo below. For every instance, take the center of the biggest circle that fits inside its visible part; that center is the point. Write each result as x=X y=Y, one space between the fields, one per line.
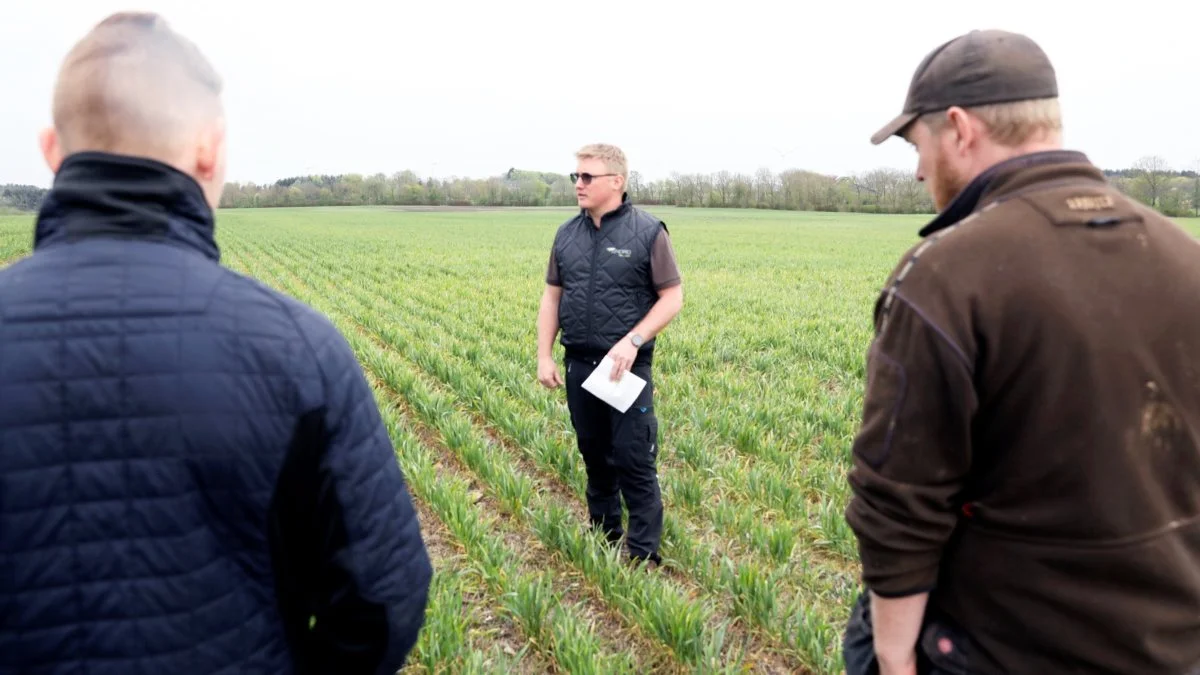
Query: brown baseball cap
x=978 y=68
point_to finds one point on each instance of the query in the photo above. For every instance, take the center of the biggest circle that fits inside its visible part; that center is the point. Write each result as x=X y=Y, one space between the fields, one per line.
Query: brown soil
x=609 y=626
x=764 y=658
x=489 y=625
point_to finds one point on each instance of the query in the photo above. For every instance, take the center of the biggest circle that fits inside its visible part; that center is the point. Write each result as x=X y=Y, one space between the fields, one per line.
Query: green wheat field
x=759 y=387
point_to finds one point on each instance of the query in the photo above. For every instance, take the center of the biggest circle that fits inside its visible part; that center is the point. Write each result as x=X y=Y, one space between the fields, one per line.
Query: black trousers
x=620 y=451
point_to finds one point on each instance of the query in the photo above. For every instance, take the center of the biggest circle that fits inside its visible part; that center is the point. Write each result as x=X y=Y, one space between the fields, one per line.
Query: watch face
x=637 y=340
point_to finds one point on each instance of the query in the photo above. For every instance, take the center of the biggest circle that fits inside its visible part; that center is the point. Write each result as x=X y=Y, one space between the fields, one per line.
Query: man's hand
x=670 y=301
x=548 y=374
x=623 y=353
x=547 y=328
x=897 y=627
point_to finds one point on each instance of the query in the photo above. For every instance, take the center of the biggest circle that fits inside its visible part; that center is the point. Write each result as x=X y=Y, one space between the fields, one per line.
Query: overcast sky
x=473 y=88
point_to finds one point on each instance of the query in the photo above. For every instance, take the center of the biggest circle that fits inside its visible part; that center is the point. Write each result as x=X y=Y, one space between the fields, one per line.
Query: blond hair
x=611 y=155
x=133 y=85
x=1011 y=124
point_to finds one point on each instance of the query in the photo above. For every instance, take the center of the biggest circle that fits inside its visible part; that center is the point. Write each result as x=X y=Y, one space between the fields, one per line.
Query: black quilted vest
x=605 y=276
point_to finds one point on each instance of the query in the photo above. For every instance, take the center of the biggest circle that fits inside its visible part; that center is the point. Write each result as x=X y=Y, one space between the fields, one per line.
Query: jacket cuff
x=894 y=574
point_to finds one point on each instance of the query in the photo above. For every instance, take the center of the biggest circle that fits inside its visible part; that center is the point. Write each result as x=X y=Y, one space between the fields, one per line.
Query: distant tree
x=1196 y=188
x=1175 y=193
x=723 y=181
x=374 y=189
x=765 y=185
x=1151 y=175
x=22 y=197
x=635 y=187
x=883 y=187
x=562 y=192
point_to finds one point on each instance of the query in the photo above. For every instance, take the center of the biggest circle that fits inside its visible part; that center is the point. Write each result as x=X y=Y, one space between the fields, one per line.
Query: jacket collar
x=101 y=194
x=1008 y=176
x=624 y=208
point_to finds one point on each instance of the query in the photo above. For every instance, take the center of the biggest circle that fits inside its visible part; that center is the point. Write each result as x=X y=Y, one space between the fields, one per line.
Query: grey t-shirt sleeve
x=552 y=271
x=664 y=270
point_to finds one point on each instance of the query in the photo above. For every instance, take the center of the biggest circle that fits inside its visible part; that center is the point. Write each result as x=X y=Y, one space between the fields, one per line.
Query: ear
x=965 y=134
x=210 y=151
x=51 y=148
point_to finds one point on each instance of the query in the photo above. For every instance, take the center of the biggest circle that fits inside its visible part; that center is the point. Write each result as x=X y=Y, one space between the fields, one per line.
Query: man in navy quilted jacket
x=194 y=477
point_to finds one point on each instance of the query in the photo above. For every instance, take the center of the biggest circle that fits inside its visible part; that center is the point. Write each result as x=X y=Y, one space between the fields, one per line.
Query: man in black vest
x=612 y=286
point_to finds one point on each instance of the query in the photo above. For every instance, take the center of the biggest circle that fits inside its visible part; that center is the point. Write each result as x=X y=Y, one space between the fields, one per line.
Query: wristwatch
x=636 y=340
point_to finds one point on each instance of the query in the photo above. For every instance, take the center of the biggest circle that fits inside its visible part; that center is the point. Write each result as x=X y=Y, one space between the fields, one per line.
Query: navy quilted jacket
x=192 y=466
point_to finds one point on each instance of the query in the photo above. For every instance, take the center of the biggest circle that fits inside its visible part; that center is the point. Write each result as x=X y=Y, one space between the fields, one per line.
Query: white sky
x=472 y=88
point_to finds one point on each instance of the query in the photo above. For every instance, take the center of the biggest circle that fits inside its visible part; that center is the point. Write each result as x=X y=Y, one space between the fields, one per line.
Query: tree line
x=21 y=197
x=1151 y=180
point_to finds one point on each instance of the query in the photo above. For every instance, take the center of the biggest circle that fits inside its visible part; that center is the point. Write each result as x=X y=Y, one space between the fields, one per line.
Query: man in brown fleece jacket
x=1026 y=480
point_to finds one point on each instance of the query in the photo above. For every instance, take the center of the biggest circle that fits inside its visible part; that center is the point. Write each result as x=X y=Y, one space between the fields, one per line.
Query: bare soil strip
x=614 y=631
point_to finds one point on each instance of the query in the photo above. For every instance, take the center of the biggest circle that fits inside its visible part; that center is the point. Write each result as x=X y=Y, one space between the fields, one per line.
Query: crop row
x=760 y=590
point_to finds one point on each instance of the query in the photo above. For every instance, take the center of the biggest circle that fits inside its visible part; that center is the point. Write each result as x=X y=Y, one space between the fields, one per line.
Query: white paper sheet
x=619 y=395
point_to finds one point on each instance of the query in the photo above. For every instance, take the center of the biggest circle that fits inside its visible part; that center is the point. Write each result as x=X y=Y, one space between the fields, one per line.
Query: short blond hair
x=612 y=156
x=1011 y=124
x=132 y=84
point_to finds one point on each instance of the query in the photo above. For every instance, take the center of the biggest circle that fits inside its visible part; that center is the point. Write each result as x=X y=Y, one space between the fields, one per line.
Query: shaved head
x=133 y=86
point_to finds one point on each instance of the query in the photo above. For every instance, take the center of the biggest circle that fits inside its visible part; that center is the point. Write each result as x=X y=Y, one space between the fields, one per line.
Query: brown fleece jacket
x=1030 y=445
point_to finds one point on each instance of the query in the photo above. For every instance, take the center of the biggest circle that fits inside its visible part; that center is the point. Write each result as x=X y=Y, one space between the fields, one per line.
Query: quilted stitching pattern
x=623 y=290
x=386 y=552
x=148 y=399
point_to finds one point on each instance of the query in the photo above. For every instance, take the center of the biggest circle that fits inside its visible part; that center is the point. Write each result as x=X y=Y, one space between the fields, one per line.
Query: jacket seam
x=958 y=351
x=210 y=639
x=149 y=577
x=1024 y=199
x=1173 y=527
x=312 y=350
x=1022 y=193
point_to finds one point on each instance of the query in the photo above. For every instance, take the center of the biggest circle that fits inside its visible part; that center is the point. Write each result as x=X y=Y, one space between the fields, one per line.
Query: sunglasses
x=587 y=177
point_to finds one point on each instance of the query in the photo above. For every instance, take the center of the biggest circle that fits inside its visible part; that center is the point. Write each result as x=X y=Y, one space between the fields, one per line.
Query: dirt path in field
x=728 y=453
x=489 y=625
x=766 y=649
x=615 y=629
x=440 y=542
x=615 y=635
x=758 y=653
x=764 y=658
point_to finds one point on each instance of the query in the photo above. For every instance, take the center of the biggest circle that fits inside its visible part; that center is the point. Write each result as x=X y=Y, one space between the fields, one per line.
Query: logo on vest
x=623 y=252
